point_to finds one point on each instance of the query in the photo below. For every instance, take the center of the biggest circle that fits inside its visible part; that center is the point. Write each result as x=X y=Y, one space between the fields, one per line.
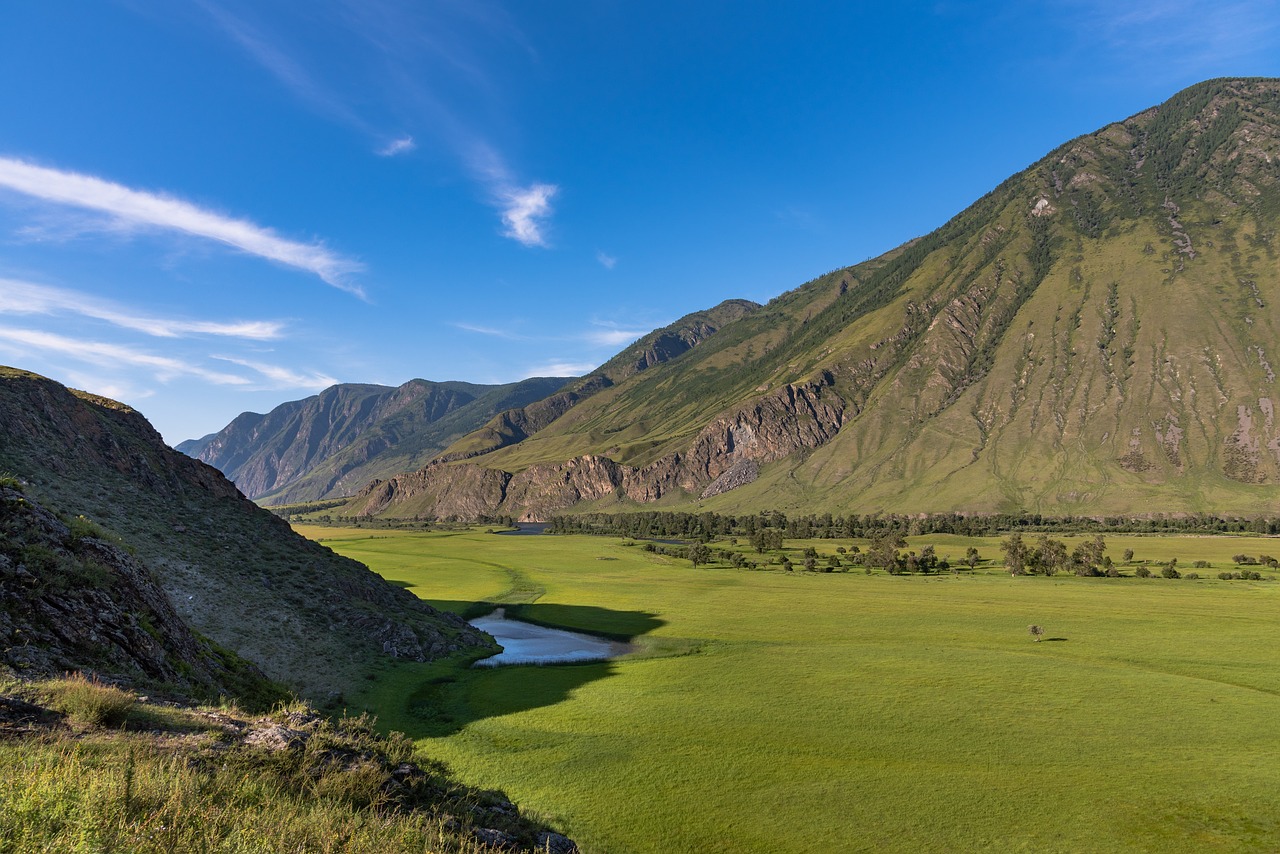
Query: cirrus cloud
x=19 y=297
x=157 y=210
x=103 y=354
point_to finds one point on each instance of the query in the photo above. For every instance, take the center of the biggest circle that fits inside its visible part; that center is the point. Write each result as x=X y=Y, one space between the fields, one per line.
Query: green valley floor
x=768 y=711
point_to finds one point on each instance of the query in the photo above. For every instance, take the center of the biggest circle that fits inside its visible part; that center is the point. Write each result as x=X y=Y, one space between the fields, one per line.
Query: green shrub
x=1142 y=572
x=1170 y=572
x=89 y=701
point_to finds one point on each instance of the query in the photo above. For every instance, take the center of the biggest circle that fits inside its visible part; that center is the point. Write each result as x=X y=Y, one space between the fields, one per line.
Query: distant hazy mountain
x=335 y=442
x=1095 y=335
x=229 y=569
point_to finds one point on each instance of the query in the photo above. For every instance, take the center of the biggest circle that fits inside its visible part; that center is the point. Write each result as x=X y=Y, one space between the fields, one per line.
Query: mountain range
x=1093 y=336
x=337 y=441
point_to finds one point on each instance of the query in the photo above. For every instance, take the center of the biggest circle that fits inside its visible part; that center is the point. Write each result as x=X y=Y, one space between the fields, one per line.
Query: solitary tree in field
x=1036 y=632
x=971 y=557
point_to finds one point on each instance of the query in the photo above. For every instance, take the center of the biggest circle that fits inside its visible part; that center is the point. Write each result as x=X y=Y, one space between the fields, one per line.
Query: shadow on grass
x=1049 y=640
x=621 y=626
x=447 y=702
x=405 y=584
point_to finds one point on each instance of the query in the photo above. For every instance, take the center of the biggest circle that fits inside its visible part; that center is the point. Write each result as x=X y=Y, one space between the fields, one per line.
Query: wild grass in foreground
x=159 y=778
x=774 y=711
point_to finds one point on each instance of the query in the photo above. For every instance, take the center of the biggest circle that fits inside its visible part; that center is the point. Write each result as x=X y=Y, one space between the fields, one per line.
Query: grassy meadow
x=771 y=711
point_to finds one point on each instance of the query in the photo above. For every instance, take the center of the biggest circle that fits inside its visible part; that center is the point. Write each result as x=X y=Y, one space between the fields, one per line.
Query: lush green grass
x=465 y=576
x=771 y=711
x=160 y=778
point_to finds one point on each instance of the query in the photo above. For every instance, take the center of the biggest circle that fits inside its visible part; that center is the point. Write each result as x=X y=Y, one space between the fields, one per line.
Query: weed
x=89 y=702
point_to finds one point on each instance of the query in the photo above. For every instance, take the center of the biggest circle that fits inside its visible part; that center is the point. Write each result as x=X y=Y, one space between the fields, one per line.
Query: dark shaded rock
x=556 y=843
x=498 y=839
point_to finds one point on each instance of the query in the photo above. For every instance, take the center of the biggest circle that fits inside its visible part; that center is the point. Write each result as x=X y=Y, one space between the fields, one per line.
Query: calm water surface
x=525 y=643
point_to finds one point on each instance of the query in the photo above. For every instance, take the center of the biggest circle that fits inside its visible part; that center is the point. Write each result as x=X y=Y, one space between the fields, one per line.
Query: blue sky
x=214 y=206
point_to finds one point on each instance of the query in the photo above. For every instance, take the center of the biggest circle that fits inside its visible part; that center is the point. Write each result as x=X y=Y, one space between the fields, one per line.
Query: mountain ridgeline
x=114 y=546
x=1095 y=335
x=337 y=441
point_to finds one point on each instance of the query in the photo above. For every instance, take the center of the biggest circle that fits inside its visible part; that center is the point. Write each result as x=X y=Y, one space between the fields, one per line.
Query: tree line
x=707 y=526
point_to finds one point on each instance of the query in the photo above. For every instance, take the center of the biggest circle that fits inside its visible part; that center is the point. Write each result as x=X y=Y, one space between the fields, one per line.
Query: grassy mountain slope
x=659 y=347
x=1094 y=335
x=335 y=442
x=234 y=572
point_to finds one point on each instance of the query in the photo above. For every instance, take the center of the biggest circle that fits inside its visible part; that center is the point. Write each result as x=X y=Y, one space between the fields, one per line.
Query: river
x=525 y=643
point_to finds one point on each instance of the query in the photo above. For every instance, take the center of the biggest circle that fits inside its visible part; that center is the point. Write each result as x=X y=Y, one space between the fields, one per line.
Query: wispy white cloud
x=559 y=369
x=19 y=297
x=144 y=209
x=1184 y=36
x=281 y=377
x=602 y=333
x=403 y=145
x=400 y=51
x=606 y=260
x=280 y=64
x=611 y=335
x=93 y=382
x=525 y=211
x=105 y=355
x=488 y=330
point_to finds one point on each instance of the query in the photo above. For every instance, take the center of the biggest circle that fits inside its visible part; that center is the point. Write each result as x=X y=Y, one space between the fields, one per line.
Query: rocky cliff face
x=234 y=572
x=769 y=428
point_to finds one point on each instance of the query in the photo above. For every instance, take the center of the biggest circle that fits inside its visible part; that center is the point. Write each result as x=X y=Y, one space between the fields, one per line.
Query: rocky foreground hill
x=113 y=540
x=73 y=599
x=1095 y=335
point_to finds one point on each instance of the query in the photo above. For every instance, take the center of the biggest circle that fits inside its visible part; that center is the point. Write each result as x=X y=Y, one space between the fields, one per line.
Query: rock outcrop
x=769 y=428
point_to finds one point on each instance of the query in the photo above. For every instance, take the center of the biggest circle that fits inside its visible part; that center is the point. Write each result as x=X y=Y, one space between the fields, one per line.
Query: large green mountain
x=335 y=442
x=1095 y=335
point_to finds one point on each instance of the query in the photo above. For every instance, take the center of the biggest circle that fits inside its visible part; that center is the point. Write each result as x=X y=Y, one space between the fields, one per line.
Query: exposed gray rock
x=273 y=736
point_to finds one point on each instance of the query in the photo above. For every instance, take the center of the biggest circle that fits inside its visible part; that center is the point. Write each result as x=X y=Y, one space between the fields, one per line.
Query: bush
x=1192 y=576
x=1226 y=576
x=1202 y=564
x=1170 y=572
x=90 y=702
x=1142 y=572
